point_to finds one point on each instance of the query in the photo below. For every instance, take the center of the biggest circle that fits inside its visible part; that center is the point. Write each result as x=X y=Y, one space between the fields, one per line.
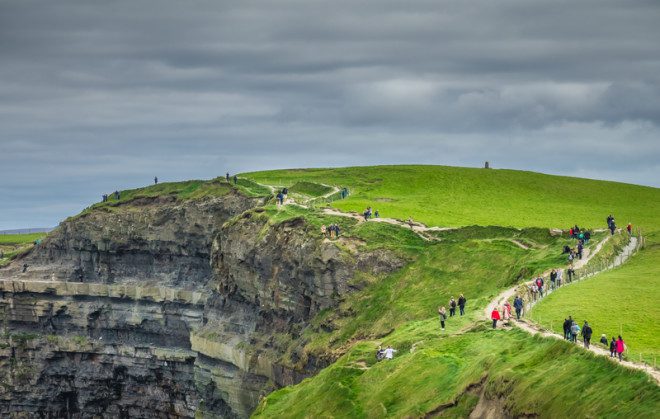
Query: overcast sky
x=101 y=95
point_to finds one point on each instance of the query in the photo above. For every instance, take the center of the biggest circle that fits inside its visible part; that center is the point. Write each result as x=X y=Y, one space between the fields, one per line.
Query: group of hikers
x=442 y=311
x=572 y=330
x=116 y=194
x=369 y=213
x=330 y=232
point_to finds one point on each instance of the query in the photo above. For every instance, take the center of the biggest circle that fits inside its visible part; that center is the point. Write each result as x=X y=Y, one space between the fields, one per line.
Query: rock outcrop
x=167 y=308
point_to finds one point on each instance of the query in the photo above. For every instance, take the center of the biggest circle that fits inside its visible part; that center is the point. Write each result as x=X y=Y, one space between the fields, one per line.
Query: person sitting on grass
x=389 y=352
x=495 y=316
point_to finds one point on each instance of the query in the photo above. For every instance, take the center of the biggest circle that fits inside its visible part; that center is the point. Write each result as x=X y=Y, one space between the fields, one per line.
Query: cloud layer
x=96 y=96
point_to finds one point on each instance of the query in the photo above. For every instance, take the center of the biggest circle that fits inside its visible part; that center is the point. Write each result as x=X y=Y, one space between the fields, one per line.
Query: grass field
x=11 y=245
x=439 y=369
x=622 y=301
x=453 y=196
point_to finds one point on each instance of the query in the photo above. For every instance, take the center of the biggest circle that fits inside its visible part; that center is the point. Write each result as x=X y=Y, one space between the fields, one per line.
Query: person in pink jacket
x=620 y=347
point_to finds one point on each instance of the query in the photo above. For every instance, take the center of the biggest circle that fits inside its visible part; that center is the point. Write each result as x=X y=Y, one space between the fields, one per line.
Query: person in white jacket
x=389 y=352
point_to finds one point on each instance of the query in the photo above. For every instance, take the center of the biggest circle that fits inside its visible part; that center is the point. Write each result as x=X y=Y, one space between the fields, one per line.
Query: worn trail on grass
x=534 y=329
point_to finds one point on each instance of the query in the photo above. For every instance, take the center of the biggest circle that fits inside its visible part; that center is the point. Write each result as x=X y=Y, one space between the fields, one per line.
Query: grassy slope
x=452 y=196
x=11 y=245
x=624 y=300
x=440 y=369
x=477 y=262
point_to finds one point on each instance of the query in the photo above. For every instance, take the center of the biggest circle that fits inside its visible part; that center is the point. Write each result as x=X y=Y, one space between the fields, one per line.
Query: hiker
x=117 y=195
x=285 y=192
x=337 y=230
x=452 y=307
x=571 y=256
x=410 y=222
x=620 y=347
x=629 y=228
x=579 y=250
x=155 y=180
x=566 y=250
x=570 y=232
x=443 y=316
x=377 y=214
x=235 y=180
x=518 y=305
x=331 y=229
x=570 y=273
x=104 y=197
x=587 y=237
x=567 y=328
x=389 y=352
x=586 y=334
x=575 y=330
x=553 y=279
x=533 y=289
x=612 y=227
x=560 y=274
x=613 y=347
x=324 y=231
x=603 y=339
x=461 y=304
x=610 y=220
x=365 y=214
x=380 y=353
x=539 y=285
x=280 y=198
x=507 y=311
x=495 y=315
x=25 y=267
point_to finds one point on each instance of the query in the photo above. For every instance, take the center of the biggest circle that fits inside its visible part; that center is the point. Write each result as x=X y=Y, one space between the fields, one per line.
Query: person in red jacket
x=495 y=315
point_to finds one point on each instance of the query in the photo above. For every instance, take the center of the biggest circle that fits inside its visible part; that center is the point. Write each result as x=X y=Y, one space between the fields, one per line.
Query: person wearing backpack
x=567 y=328
x=518 y=305
x=452 y=307
x=586 y=334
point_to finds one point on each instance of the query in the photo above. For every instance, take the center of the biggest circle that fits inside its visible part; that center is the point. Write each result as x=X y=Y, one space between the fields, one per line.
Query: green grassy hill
x=433 y=369
x=454 y=196
x=12 y=245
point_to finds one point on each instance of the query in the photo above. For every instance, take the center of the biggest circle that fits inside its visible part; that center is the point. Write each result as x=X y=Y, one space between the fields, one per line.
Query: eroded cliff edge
x=161 y=307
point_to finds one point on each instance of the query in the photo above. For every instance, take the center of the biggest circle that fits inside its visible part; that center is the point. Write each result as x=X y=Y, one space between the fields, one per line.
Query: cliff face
x=162 y=308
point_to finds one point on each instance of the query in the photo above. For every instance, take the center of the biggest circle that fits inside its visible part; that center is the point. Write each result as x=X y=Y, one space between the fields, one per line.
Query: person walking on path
x=570 y=271
x=443 y=316
x=612 y=227
x=324 y=231
x=156 y=180
x=586 y=334
x=235 y=180
x=227 y=177
x=580 y=248
x=506 y=311
x=567 y=328
x=518 y=305
x=629 y=229
x=461 y=304
x=495 y=316
x=539 y=285
x=613 y=347
x=575 y=331
x=452 y=307
x=553 y=279
x=620 y=347
x=603 y=339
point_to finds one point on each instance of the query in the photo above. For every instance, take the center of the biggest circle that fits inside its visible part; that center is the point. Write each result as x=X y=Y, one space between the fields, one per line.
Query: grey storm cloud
x=96 y=96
